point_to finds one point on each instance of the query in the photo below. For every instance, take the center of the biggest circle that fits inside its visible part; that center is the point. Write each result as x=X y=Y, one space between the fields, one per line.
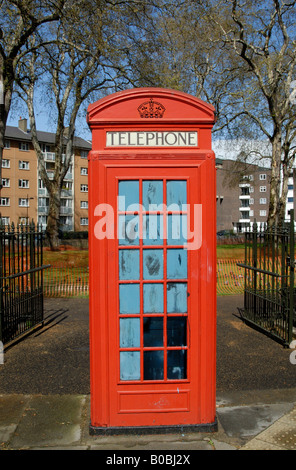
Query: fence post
x=291 y=287
x=2 y=240
x=255 y=227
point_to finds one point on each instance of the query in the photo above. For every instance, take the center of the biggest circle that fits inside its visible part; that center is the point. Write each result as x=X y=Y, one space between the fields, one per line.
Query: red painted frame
x=184 y=402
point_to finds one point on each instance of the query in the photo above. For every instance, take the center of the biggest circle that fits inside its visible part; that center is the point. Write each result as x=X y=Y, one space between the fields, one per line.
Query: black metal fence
x=269 y=291
x=21 y=280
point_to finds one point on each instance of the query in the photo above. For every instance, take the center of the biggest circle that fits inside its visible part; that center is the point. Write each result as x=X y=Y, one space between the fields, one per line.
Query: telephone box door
x=154 y=297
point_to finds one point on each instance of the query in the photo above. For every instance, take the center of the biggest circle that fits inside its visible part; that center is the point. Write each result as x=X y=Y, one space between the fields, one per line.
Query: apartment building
x=24 y=197
x=242 y=195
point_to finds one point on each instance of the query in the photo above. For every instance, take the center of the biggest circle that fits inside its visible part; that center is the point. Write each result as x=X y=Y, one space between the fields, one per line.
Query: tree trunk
x=275 y=181
x=52 y=229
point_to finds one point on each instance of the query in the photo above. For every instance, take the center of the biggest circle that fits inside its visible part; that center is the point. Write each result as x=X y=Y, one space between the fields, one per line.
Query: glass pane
x=128 y=229
x=176 y=264
x=129 y=264
x=153 y=264
x=177 y=229
x=177 y=297
x=128 y=192
x=153 y=365
x=153 y=229
x=129 y=298
x=129 y=332
x=130 y=365
x=176 y=193
x=153 y=298
x=176 y=331
x=152 y=194
x=153 y=331
x=177 y=368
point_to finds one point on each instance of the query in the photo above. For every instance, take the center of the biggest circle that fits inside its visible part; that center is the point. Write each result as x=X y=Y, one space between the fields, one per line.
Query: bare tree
x=19 y=20
x=263 y=40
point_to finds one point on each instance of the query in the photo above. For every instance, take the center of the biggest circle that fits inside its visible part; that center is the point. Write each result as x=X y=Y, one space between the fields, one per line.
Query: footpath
x=45 y=398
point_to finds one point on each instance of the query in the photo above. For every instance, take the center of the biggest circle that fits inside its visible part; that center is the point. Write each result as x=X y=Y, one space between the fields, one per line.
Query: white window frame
x=24 y=202
x=263 y=200
x=83 y=204
x=84 y=171
x=5 y=163
x=4 y=201
x=262 y=176
x=84 y=221
x=24 y=165
x=24 y=146
x=5 y=182
x=24 y=184
x=263 y=213
x=84 y=188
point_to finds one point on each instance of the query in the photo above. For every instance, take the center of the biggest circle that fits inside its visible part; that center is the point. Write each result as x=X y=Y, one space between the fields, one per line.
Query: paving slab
x=49 y=421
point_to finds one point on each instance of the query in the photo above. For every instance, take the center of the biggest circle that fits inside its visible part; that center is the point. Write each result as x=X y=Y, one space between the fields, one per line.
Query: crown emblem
x=151 y=109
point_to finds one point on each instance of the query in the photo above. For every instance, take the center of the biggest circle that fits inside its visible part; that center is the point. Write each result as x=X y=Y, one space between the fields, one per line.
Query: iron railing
x=21 y=280
x=269 y=291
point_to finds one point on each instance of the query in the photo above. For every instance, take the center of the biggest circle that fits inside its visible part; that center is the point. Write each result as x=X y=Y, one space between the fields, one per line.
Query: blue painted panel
x=153 y=230
x=176 y=264
x=128 y=229
x=176 y=229
x=130 y=365
x=128 y=192
x=176 y=297
x=129 y=265
x=129 y=332
x=152 y=194
x=153 y=264
x=129 y=298
x=153 y=298
x=176 y=193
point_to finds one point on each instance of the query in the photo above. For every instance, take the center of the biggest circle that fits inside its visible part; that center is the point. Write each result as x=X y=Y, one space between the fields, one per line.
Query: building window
x=251 y=177
x=83 y=204
x=262 y=200
x=262 y=213
x=5 y=220
x=83 y=171
x=24 y=184
x=4 y=201
x=7 y=144
x=252 y=213
x=251 y=201
x=84 y=188
x=262 y=177
x=5 y=182
x=84 y=221
x=290 y=199
x=24 y=146
x=251 y=189
x=23 y=202
x=24 y=165
x=5 y=163
x=83 y=153
x=290 y=187
x=262 y=189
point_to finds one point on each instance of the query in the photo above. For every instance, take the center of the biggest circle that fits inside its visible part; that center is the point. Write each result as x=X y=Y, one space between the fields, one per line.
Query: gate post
x=291 y=287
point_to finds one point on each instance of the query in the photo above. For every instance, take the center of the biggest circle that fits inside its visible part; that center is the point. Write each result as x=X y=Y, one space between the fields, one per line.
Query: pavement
x=45 y=397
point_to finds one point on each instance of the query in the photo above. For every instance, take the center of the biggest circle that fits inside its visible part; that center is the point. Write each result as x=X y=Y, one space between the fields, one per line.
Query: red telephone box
x=152 y=262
